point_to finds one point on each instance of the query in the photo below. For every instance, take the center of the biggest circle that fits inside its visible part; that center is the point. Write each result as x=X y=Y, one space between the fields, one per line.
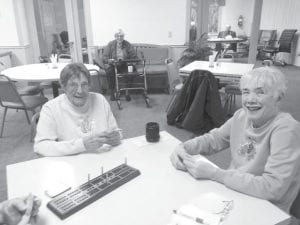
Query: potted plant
x=197 y=50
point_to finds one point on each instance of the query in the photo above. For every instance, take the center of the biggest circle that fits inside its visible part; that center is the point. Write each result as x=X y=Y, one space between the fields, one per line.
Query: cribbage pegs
x=71 y=201
x=125 y=161
x=101 y=170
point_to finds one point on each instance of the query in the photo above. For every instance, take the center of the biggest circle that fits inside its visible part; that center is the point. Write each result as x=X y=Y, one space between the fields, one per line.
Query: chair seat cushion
x=156 y=69
x=29 y=101
x=33 y=101
x=46 y=84
x=30 y=90
x=270 y=50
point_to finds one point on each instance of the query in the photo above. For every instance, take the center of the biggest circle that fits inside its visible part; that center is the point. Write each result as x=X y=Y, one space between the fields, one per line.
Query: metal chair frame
x=175 y=83
x=135 y=74
x=284 y=45
x=10 y=98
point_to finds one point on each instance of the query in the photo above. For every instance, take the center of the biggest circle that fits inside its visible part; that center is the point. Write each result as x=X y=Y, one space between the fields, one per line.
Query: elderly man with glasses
x=117 y=51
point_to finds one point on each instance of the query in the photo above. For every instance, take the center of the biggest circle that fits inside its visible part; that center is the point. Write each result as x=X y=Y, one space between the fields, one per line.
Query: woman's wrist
x=219 y=175
x=190 y=148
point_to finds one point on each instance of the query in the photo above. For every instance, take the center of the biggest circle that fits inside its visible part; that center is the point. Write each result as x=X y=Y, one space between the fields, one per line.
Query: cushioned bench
x=156 y=69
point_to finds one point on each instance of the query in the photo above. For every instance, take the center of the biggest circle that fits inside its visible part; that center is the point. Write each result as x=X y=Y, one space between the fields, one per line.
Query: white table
x=146 y=200
x=224 y=70
x=40 y=72
x=225 y=40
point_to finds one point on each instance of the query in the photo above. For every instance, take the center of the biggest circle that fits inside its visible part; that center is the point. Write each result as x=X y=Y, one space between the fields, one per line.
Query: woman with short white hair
x=76 y=121
x=264 y=144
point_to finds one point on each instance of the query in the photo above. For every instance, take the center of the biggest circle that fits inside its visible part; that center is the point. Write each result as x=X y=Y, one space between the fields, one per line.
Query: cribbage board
x=73 y=200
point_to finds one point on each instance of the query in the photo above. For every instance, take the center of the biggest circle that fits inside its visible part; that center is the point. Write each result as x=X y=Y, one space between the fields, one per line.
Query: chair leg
x=171 y=102
x=230 y=102
x=3 y=120
x=27 y=116
x=32 y=131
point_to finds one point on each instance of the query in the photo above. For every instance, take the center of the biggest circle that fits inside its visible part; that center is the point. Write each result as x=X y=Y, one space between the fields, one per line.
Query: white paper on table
x=54 y=188
x=211 y=202
x=207 y=206
x=188 y=213
x=202 y=158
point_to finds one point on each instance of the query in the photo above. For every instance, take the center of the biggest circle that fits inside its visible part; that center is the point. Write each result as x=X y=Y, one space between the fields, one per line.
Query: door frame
x=72 y=18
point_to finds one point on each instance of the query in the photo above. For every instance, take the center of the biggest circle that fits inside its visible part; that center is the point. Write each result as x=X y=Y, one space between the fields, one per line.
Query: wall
x=230 y=13
x=280 y=15
x=14 y=35
x=8 y=24
x=150 y=21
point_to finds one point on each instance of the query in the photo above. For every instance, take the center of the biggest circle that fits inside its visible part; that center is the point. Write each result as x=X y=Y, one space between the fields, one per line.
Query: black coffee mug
x=152 y=132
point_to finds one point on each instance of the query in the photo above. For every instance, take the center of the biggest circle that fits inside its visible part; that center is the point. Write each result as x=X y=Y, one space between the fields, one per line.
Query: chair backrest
x=226 y=58
x=153 y=55
x=98 y=58
x=8 y=92
x=285 y=40
x=266 y=37
x=173 y=75
x=65 y=58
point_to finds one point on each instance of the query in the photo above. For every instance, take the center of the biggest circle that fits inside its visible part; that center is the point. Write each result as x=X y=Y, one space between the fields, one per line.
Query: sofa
x=155 y=57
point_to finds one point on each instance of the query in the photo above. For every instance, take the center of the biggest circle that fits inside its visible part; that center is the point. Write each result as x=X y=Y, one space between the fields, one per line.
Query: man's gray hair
x=119 y=32
x=272 y=78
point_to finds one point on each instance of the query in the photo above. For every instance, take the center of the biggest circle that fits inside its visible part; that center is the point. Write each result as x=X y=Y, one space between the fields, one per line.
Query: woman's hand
x=113 y=138
x=199 y=169
x=20 y=211
x=178 y=156
x=93 y=142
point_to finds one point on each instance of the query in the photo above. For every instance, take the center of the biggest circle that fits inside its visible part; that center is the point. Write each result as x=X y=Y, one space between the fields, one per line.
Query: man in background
x=227 y=34
x=117 y=51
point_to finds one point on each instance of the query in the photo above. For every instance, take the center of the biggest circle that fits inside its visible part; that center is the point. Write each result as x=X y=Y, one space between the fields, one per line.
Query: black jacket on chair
x=198 y=107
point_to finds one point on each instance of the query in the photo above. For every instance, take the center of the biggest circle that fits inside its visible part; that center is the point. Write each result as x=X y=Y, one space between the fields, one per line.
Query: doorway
x=61 y=28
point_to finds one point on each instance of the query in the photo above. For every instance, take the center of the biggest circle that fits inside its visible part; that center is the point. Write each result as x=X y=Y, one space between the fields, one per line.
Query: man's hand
x=20 y=211
x=178 y=156
x=199 y=169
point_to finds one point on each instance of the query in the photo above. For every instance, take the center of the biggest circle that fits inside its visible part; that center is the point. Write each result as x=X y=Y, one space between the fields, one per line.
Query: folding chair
x=284 y=45
x=266 y=38
x=175 y=83
x=10 y=98
x=34 y=121
x=94 y=86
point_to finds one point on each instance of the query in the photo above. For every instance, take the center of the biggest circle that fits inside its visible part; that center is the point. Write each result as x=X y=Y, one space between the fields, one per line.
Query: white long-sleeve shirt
x=265 y=160
x=61 y=126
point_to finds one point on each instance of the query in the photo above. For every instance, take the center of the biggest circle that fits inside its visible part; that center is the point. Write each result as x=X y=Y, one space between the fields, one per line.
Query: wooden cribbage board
x=73 y=200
